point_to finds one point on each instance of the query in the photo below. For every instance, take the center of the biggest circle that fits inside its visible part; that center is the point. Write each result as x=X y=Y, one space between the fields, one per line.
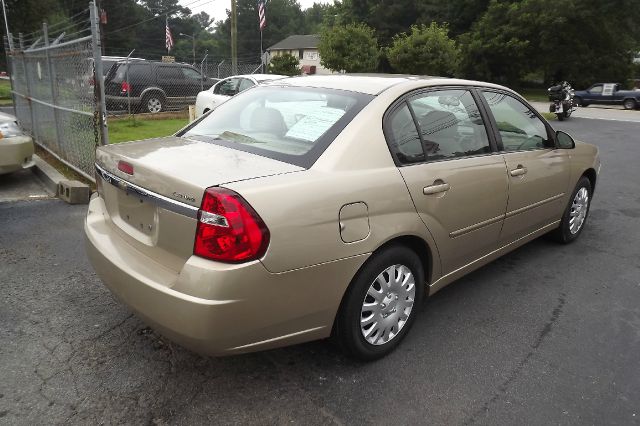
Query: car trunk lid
x=155 y=207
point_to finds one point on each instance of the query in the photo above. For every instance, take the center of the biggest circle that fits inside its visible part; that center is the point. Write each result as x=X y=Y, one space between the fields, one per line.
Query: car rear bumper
x=15 y=153
x=215 y=308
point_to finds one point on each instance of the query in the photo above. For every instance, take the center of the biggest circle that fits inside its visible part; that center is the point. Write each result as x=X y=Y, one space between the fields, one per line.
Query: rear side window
x=436 y=125
x=191 y=74
x=170 y=73
x=136 y=71
x=290 y=124
x=403 y=136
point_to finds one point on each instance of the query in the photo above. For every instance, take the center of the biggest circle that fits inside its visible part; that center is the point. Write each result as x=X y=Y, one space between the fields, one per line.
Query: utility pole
x=234 y=37
x=6 y=25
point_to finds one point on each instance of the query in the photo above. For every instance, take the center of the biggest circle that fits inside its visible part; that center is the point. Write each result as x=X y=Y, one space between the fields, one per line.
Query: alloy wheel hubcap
x=154 y=105
x=387 y=305
x=579 y=208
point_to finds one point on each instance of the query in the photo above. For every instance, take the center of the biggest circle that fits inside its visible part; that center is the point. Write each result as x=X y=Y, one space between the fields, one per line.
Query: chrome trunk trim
x=150 y=196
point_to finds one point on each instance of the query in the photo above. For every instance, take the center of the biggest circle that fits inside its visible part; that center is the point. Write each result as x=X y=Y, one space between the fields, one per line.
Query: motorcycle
x=562 y=102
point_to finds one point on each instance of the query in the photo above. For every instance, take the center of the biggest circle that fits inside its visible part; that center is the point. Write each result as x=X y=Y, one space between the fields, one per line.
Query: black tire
x=560 y=116
x=563 y=234
x=348 y=332
x=629 y=104
x=158 y=103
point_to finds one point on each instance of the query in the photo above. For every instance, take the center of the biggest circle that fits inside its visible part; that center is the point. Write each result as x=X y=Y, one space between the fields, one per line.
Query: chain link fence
x=63 y=88
x=56 y=96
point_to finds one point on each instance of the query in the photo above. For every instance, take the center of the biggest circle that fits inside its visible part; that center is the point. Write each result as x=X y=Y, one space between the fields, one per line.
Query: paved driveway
x=546 y=335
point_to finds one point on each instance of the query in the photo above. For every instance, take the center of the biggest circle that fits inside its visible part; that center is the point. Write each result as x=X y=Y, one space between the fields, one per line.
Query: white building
x=303 y=47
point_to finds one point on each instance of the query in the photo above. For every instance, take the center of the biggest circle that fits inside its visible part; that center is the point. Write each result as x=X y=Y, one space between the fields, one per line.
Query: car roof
x=259 y=77
x=374 y=84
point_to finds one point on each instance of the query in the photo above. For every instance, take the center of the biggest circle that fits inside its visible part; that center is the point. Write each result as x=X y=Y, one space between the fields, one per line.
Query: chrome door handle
x=436 y=188
x=518 y=171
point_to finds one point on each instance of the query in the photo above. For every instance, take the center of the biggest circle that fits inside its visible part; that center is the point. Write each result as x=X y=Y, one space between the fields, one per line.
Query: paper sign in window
x=312 y=126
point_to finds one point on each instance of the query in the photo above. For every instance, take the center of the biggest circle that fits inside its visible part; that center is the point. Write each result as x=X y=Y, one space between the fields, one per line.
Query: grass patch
x=132 y=130
x=549 y=116
x=5 y=92
x=535 y=95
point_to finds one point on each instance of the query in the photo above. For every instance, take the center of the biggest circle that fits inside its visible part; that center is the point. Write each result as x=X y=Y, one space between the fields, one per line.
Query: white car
x=16 y=147
x=228 y=87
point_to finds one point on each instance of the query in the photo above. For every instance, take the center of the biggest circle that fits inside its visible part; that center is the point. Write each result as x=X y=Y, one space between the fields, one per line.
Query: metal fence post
x=52 y=80
x=8 y=51
x=98 y=75
x=34 y=128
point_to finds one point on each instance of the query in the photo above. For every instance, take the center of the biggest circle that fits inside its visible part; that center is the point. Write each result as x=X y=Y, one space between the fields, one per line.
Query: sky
x=217 y=8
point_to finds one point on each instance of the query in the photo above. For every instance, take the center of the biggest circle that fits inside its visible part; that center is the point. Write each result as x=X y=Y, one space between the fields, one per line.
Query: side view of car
x=152 y=86
x=16 y=147
x=329 y=206
x=228 y=87
x=608 y=94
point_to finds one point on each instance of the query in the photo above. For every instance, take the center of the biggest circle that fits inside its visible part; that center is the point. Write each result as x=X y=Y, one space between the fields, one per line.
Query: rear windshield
x=290 y=124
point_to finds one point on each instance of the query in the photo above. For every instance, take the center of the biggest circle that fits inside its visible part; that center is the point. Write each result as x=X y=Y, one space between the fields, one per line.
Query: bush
x=285 y=64
x=350 y=48
x=426 y=50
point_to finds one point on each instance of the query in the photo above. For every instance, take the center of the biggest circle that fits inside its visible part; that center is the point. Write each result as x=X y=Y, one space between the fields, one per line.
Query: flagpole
x=261 y=54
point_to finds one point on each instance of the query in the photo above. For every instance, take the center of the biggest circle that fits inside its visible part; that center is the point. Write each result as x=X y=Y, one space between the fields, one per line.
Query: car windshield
x=290 y=124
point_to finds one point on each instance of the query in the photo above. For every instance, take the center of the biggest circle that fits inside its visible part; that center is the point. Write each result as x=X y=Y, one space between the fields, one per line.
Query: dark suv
x=153 y=86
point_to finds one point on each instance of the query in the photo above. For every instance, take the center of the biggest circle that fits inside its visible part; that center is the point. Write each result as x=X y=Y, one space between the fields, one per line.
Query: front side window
x=245 y=83
x=596 y=89
x=519 y=127
x=287 y=123
x=228 y=87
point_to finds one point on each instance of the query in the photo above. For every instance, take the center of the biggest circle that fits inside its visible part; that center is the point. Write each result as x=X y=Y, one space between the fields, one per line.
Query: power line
x=160 y=16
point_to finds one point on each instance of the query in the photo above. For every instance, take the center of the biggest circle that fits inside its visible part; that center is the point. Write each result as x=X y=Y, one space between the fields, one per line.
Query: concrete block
x=74 y=192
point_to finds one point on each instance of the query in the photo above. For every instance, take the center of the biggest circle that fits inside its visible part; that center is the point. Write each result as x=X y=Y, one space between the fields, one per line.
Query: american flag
x=168 y=36
x=262 y=18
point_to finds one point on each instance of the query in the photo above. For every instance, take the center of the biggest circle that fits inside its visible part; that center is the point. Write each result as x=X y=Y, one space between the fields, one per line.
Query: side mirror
x=565 y=141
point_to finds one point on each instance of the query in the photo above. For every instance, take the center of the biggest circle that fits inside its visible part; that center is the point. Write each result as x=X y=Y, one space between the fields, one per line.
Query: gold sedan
x=16 y=147
x=328 y=206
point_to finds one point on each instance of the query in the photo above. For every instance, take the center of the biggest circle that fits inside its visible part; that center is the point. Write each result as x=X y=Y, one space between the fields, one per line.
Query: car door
x=193 y=82
x=538 y=172
x=458 y=185
x=594 y=94
x=171 y=81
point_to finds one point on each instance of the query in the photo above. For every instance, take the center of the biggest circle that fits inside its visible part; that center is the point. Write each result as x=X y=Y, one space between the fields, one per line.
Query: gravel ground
x=548 y=334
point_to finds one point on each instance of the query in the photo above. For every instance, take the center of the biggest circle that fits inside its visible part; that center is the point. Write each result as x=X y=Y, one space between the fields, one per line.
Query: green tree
x=577 y=40
x=425 y=50
x=350 y=48
x=285 y=64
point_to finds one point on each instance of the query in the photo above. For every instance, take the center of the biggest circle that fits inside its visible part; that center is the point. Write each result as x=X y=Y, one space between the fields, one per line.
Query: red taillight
x=125 y=87
x=229 y=230
x=125 y=167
